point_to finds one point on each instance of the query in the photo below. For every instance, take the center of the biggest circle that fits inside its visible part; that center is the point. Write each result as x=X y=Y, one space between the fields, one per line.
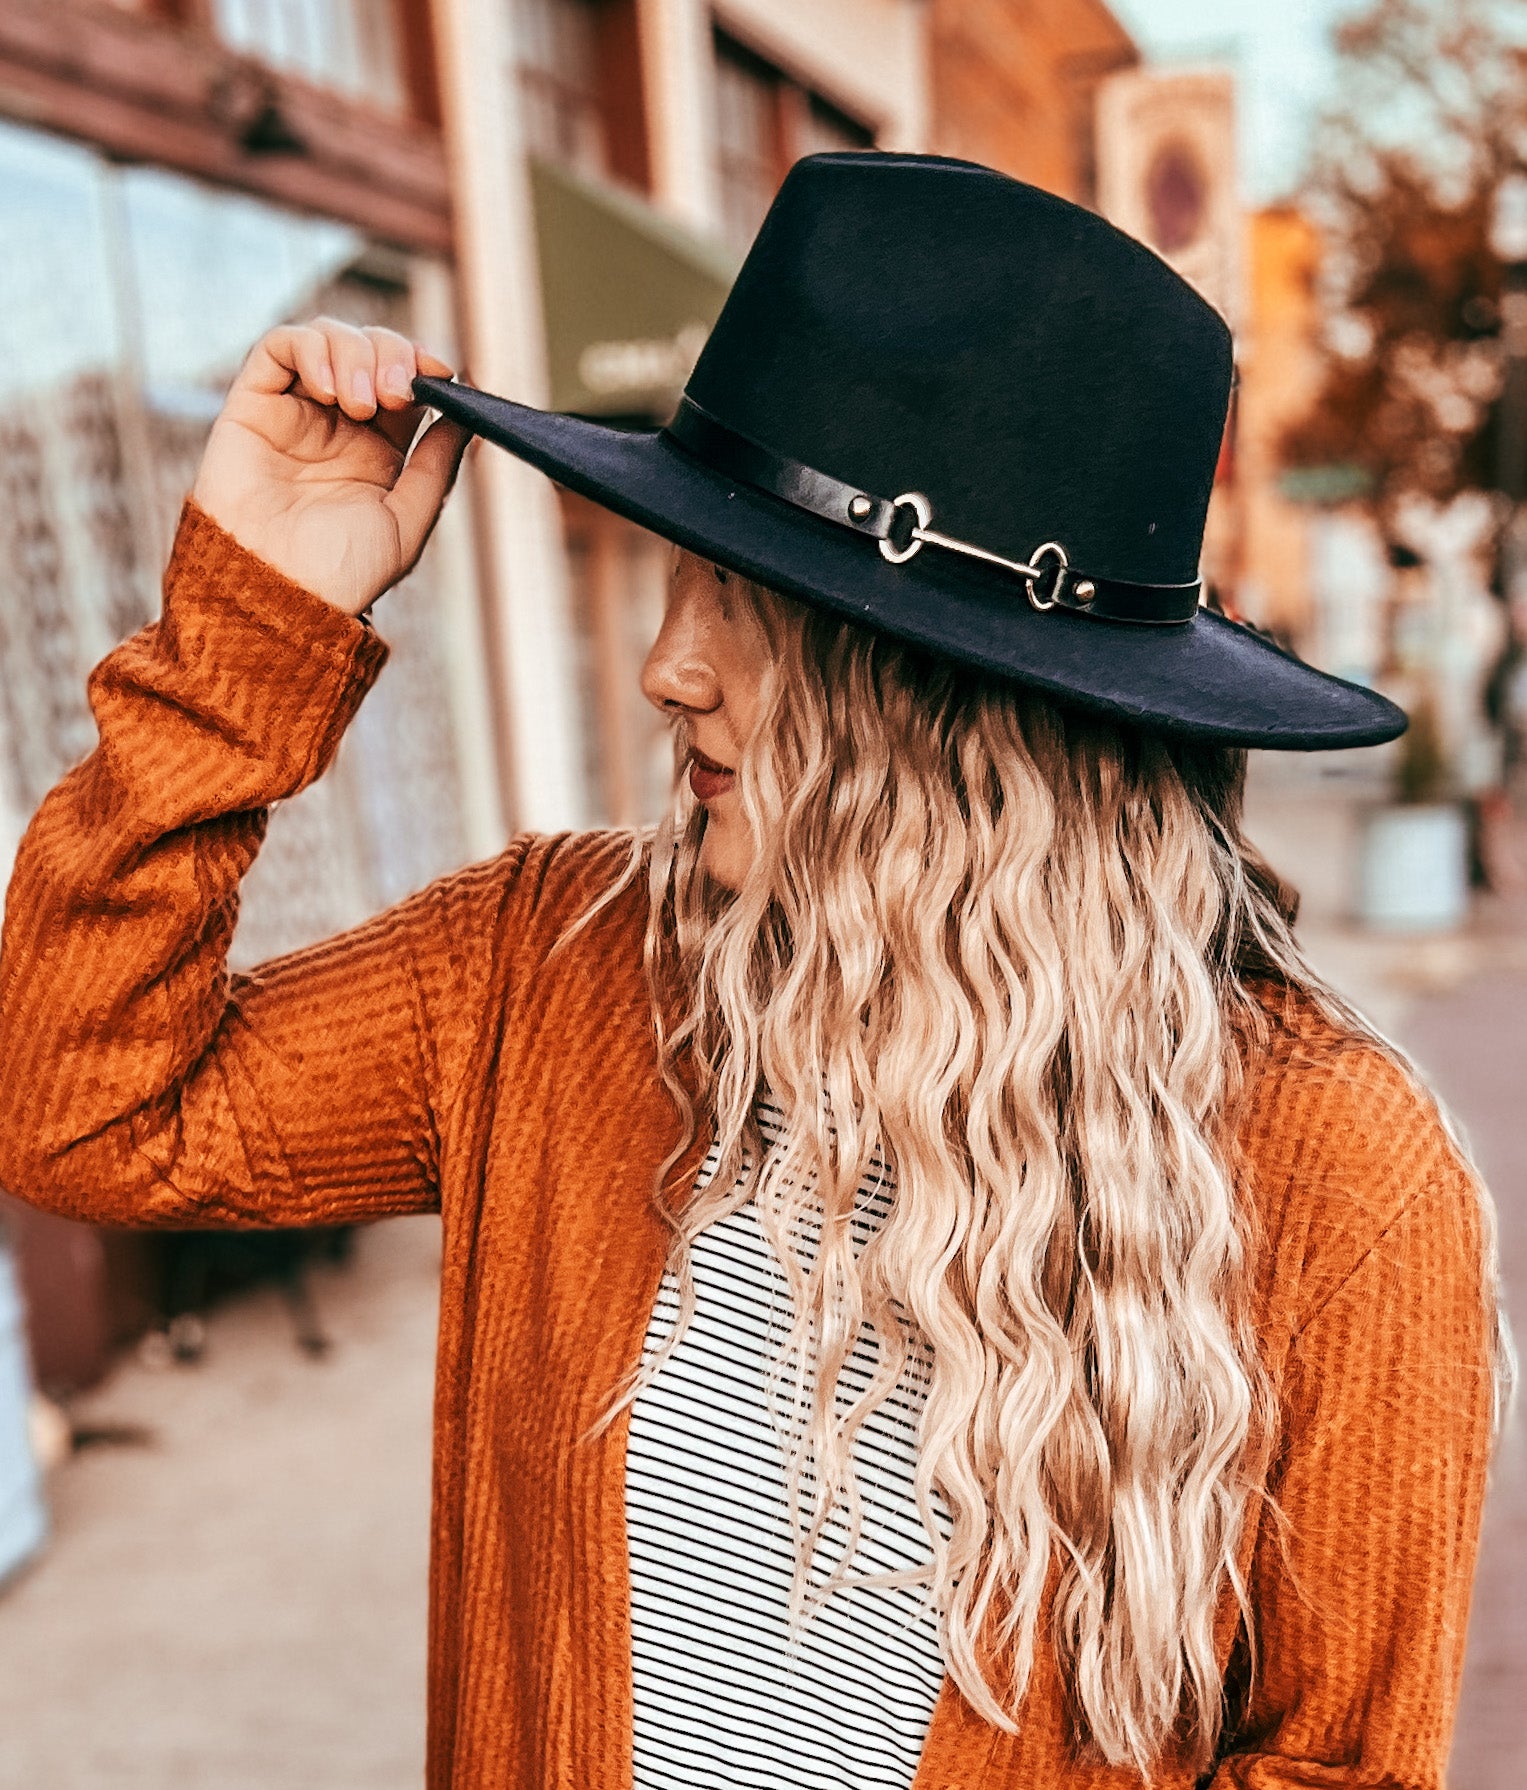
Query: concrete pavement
x=1473 y=1044
x=236 y=1600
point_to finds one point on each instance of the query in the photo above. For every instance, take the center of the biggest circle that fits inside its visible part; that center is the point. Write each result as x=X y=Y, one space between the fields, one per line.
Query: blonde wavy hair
x=998 y=949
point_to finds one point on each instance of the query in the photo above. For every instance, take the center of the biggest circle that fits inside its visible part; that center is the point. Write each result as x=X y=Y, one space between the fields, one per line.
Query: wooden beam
x=608 y=594
x=421 y=67
x=141 y=89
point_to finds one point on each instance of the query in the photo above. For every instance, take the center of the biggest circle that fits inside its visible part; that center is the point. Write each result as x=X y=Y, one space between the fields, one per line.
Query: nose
x=678 y=673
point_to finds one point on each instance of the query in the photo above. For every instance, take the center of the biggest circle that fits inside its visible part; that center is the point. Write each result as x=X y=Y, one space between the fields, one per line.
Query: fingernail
x=360 y=387
x=326 y=382
x=396 y=381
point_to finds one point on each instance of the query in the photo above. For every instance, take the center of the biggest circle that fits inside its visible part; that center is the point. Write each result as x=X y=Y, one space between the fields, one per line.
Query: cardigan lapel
x=630 y=1296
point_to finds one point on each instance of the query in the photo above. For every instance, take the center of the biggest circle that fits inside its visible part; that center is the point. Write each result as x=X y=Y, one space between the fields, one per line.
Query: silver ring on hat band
x=923 y=510
x=1035 y=600
x=924 y=535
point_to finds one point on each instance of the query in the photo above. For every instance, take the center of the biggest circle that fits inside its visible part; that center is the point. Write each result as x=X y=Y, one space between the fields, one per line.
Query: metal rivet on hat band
x=1049 y=579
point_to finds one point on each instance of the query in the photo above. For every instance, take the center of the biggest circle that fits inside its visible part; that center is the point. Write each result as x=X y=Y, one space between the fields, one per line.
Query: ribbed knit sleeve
x=1361 y=1580
x=142 y=1084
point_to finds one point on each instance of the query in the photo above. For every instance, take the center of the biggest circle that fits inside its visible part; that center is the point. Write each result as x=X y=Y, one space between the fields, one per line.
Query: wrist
x=225 y=573
x=309 y=551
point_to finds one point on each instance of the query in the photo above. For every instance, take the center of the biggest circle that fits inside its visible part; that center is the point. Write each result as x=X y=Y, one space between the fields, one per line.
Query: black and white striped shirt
x=722 y=1698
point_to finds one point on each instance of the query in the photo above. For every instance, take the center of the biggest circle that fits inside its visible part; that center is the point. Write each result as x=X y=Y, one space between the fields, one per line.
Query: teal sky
x=1279 y=50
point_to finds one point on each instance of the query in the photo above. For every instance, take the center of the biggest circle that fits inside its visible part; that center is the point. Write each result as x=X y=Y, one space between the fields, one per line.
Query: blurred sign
x=629 y=296
x=1167 y=173
x=1329 y=486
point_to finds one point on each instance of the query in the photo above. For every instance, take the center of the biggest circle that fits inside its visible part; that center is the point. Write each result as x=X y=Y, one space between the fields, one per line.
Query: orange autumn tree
x=1432 y=115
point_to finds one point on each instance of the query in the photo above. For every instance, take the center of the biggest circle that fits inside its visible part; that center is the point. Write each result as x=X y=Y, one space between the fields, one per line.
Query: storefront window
x=66 y=547
x=120 y=327
x=350 y=45
x=819 y=126
x=748 y=139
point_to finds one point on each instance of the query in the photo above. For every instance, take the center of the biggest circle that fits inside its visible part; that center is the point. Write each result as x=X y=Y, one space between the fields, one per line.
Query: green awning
x=629 y=296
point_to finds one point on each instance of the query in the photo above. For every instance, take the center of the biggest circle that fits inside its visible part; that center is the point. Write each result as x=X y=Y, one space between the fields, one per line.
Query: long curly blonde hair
x=991 y=953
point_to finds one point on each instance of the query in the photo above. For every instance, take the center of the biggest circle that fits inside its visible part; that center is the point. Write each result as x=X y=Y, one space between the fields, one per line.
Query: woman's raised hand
x=308 y=463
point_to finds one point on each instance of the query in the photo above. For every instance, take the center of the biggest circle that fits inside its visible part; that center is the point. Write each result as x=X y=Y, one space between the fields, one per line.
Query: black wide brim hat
x=955 y=408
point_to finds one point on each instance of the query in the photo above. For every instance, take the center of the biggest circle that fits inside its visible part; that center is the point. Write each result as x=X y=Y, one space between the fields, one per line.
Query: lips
x=707 y=778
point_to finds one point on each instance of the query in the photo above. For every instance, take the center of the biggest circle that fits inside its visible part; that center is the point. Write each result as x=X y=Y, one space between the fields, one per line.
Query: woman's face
x=707 y=669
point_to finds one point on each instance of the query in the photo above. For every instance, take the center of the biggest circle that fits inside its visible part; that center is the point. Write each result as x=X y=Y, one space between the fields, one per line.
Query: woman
x=1046 y=1245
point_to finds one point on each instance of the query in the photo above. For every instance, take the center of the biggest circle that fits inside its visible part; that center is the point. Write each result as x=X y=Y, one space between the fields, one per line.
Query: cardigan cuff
x=251 y=680
x=211 y=570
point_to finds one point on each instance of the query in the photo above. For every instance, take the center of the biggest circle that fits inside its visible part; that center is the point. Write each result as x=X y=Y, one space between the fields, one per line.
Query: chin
x=723 y=859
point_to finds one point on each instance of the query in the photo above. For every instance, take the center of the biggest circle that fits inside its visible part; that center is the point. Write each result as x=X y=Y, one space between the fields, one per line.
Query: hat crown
x=912 y=323
x=908 y=324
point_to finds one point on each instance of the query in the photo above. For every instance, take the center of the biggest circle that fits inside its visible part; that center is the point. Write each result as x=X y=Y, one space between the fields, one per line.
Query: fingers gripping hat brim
x=1208 y=679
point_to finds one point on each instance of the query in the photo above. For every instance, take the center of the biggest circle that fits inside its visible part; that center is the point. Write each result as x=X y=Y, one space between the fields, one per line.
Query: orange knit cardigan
x=444 y=1058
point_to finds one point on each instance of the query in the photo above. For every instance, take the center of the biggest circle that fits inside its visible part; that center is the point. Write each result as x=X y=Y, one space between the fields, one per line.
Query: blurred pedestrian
x=934 y=1284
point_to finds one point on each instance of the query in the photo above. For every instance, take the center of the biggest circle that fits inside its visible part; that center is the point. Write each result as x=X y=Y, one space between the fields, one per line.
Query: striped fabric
x=723 y=1698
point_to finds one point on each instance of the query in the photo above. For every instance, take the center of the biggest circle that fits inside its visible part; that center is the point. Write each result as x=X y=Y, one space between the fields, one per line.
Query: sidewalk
x=1473 y=1043
x=236 y=1599
x=1303 y=812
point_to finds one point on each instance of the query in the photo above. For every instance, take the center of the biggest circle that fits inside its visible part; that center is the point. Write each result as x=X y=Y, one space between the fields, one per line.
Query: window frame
x=142 y=86
x=614 y=94
x=793 y=99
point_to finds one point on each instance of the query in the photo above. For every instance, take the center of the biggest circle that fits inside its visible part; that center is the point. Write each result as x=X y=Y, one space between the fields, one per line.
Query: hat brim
x=1208 y=679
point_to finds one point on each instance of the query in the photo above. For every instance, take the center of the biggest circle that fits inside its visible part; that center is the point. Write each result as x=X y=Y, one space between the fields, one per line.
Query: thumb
x=424 y=483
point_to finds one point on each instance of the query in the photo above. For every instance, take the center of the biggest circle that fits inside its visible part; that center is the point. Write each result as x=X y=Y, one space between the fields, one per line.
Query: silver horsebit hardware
x=924 y=534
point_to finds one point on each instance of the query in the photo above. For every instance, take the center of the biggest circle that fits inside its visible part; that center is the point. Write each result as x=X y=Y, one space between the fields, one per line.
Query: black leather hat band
x=903 y=525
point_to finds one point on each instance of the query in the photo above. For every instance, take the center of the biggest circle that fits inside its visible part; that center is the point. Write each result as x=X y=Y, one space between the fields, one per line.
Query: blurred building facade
x=1016 y=84
x=1280 y=374
x=553 y=193
x=1167 y=172
x=604 y=194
